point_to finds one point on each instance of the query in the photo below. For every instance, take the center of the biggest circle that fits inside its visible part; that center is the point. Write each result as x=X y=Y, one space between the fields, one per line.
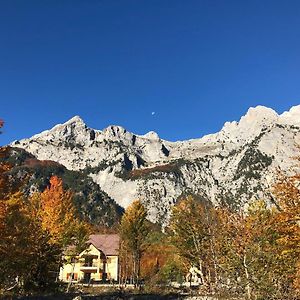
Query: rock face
x=231 y=167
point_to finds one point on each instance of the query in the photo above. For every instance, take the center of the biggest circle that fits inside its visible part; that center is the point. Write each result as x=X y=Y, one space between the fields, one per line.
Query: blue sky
x=196 y=64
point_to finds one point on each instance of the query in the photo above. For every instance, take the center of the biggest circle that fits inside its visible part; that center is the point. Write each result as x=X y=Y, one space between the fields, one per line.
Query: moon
x=153 y=113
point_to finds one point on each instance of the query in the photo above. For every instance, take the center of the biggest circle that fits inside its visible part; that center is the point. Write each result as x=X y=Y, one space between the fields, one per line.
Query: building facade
x=99 y=262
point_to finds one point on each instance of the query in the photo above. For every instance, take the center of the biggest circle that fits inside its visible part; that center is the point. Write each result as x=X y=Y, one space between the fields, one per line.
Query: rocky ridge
x=232 y=166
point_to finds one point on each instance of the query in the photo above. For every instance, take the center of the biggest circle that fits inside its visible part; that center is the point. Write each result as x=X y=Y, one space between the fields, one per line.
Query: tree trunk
x=248 y=288
x=201 y=272
x=134 y=271
x=138 y=271
x=71 y=277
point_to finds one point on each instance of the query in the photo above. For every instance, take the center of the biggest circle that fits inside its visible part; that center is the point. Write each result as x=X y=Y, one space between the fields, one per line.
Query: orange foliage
x=56 y=210
x=287 y=222
x=154 y=258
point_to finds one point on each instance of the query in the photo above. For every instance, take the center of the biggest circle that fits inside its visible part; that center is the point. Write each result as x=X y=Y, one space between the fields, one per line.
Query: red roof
x=107 y=243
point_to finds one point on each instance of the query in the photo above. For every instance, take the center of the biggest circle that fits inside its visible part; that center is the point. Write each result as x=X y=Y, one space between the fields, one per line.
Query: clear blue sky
x=196 y=64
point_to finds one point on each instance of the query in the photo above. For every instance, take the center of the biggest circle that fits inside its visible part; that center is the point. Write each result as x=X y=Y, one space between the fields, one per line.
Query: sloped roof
x=107 y=243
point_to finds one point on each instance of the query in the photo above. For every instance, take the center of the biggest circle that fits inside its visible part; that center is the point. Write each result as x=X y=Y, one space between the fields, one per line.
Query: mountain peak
x=76 y=119
x=249 y=125
x=117 y=132
x=256 y=118
x=291 y=117
x=216 y=167
x=60 y=131
x=151 y=135
x=259 y=112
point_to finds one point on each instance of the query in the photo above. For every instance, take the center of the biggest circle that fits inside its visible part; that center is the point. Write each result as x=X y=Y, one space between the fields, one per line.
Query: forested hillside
x=33 y=175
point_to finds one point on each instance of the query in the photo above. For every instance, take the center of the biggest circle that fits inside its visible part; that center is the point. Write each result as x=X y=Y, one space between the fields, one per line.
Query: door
x=87 y=277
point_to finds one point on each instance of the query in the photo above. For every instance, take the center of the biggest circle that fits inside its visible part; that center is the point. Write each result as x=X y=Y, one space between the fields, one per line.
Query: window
x=74 y=276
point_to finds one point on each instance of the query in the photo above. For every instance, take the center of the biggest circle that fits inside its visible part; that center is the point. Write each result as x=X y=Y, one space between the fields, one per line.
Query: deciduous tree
x=134 y=229
x=25 y=251
x=58 y=215
x=193 y=232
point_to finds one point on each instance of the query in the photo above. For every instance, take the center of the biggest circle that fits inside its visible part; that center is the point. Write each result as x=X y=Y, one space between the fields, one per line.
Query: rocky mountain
x=230 y=167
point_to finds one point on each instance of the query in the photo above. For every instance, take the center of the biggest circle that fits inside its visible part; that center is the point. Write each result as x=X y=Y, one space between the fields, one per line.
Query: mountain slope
x=232 y=166
x=33 y=175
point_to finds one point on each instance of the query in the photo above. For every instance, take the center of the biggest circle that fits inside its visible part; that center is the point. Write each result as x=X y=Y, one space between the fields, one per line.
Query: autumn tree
x=287 y=224
x=134 y=230
x=33 y=231
x=25 y=252
x=58 y=216
x=251 y=253
x=264 y=244
x=192 y=231
x=33 y=235
x=160 y=264
x=247 y=256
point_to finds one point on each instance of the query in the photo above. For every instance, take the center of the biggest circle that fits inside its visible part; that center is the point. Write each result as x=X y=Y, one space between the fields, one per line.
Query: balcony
x=89 y=267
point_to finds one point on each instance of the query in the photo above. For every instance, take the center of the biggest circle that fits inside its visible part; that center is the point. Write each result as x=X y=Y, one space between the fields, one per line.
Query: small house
x=99 y=262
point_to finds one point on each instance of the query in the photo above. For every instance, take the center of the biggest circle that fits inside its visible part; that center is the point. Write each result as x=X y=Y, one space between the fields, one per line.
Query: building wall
x=111 y=267
x=67 y=269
